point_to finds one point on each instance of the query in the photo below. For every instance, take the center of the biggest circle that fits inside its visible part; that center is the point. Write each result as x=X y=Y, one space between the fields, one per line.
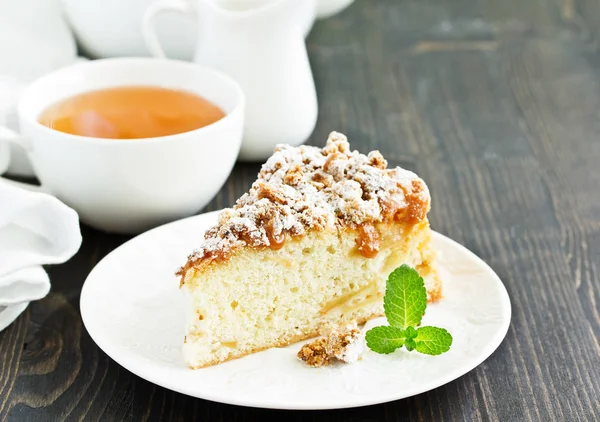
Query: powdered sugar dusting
x=346 y=343
x=308 y=188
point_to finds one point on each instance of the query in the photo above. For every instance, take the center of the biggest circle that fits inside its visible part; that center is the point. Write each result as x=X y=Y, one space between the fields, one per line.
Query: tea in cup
x=130 y=169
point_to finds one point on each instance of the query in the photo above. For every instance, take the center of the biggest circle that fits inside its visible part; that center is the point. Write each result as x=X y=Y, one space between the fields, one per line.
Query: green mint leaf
x=410 y=333
x=384 y=339
x=404 y=303
x=432 y=340
x=405 y=298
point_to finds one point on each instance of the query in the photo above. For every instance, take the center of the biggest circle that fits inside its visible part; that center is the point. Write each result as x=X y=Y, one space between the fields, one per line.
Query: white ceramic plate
x=132 y=308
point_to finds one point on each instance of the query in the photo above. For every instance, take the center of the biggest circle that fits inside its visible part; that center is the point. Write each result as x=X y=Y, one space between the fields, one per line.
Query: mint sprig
x=404 y=304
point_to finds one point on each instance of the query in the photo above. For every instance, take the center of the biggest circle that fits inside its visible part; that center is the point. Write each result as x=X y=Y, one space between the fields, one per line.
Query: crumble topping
x=308 y=188
x=315 y=353
x=343 y=343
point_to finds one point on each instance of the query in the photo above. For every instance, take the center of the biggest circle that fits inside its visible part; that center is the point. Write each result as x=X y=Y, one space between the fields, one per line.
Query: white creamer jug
x=260 y=43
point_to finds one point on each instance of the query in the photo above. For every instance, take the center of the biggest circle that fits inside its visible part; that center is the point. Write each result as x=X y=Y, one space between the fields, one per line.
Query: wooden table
x=496 y=104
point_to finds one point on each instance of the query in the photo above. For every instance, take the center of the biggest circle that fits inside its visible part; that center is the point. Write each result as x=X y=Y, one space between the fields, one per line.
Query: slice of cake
x=311 y=243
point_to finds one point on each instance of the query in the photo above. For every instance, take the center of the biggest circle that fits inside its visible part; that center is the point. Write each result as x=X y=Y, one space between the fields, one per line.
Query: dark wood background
x=496 y=104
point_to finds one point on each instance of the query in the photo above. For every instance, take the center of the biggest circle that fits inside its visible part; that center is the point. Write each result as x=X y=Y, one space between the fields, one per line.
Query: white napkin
x=35 y=229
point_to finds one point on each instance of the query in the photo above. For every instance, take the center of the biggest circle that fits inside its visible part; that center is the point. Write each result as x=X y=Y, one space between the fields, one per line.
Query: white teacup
x=129 y=186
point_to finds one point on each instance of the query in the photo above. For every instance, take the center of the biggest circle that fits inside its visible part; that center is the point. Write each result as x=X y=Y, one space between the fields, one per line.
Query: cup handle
x=11 y=136
x=155 y=9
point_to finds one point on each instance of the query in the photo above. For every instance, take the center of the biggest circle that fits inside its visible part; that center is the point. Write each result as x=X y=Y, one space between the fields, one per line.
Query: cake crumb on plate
x=315 y=353
x=342 y=343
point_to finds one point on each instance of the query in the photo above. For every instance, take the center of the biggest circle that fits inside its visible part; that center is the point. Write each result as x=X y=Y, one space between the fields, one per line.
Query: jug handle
x=155 y=9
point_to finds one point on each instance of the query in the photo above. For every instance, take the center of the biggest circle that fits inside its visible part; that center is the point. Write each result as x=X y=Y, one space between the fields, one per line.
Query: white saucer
x=132 y=308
